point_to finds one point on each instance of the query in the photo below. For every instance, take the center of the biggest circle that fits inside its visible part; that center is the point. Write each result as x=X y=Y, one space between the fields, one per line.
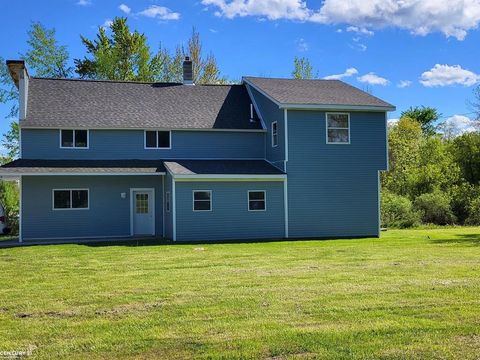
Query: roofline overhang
x=16 y=68
x=134 y=128
x=319 y=106
x=230 y=177
x=17 y=174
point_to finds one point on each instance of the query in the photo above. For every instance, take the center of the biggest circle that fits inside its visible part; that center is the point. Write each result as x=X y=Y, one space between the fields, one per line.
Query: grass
x=410 y=294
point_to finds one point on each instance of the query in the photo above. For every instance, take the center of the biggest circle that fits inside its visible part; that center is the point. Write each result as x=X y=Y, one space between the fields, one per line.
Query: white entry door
x=143 y=205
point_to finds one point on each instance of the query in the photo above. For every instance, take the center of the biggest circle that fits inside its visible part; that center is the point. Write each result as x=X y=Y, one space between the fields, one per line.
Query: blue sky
x=409 y=52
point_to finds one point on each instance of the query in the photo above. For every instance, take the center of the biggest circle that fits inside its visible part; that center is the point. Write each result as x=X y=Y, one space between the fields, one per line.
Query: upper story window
x=74 y=139
x=274 y=134
x=70 y=199
x=158 y=139
x=338 y=128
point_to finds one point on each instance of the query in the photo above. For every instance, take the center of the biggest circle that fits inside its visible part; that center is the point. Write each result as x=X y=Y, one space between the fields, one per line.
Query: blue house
x=266 y=159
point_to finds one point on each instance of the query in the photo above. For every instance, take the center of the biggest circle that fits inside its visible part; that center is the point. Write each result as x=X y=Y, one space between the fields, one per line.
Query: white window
x=338 y=128
x=74 y=139
x=167 y=201
x=158 y=139
x=202 y=200
x=274 y=134
x=70 y=199
x=256 y=200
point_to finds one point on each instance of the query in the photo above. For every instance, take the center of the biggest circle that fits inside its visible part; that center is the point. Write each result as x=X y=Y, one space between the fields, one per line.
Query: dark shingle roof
x=22 y=166
x=115 y=104
x=221 y=167
x=315 y=92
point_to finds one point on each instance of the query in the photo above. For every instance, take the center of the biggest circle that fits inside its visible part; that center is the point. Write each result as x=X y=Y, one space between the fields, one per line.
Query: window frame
x=337 y=128
x=193 y=200
x=71 y=202
x=264 y=200
x=274 y=134
x=156 y=140
x=167 y=201
x=73 y=147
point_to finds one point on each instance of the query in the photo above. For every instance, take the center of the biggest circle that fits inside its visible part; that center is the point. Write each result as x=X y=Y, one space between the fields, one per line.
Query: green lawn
x=410 y=294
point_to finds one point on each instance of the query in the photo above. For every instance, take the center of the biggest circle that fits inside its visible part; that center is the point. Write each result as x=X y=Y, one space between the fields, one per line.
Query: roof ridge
x=289 y=79
x=126 y=81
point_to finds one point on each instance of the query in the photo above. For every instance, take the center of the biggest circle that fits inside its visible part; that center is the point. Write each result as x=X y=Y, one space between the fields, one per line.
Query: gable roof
x=296 y=93
x=133 y=105
x=221 y=167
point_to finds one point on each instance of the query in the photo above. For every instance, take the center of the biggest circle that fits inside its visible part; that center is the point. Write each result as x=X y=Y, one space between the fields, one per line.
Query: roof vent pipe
x=187 y=71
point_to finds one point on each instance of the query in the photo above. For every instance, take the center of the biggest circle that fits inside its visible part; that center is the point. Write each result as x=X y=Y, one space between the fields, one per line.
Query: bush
x=9 y=199
x=435 y=208
x=473 y=212
x=397 y=211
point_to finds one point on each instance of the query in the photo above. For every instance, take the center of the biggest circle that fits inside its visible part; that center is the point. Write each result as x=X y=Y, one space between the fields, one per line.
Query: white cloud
x=453 y=18
x=444 y=75
x=373 y=79
x=392 y=122
x=457 y=125
x=349 y=72
x=359 y=30
x=302 y=45
x=404 y=83
x=160 y=12
x=84 y=2
x=213 y=31
x=107 y=23
x=125 y=8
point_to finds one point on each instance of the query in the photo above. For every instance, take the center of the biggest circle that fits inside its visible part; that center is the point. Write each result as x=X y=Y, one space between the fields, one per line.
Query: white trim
x=73 y=139
x=337 y=128
x=260 y=116
x=285 y=205
x=19 y=143
x=174 y=212
x=36 y=127
x=226 y=177
x=71 y=200
x=334 y=107
x=320 y=106
x=264 y=200
x=210 y=200
x=285 y=120
x=156 y=140
x=379 y=199
x=79 y=174
x=386 y=144
x=229 y=179
x=132 y=190
x=276 y=133
x=20 y=212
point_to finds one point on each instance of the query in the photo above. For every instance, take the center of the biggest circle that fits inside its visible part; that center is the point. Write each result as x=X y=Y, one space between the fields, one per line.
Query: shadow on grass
x=463 y=239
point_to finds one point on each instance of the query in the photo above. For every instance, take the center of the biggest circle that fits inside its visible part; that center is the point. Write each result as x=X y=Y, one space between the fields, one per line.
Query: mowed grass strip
x=409 y=294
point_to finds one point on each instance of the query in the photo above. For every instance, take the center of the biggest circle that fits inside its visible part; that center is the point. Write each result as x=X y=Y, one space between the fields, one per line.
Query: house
x=265 y=159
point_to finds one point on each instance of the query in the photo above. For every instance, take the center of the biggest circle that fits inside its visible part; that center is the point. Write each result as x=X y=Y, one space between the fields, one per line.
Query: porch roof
x=222 y=167
x=82 y=167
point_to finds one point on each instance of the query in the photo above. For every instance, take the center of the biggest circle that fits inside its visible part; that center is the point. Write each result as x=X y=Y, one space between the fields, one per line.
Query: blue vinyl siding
x=229 y=218
x=129 y=144
x=270 y=112
x=109 y=214
x=333 y=189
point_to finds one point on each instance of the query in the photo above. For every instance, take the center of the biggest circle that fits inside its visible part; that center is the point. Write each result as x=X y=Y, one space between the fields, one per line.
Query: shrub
x=473 y=212
x=9 y=199
x=397 y=211
x=435 y=208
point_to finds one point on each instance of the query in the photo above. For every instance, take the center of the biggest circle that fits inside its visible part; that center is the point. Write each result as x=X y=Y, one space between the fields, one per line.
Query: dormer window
x=74 y=139
x=158 y=139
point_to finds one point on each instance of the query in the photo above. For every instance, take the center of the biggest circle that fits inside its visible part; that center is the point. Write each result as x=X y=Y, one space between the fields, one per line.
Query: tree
x=11 y=143
x=9 y=199
x=466 y=152
x=404 y=139
x=125 y=55
x=302 y=68
x=425 y=115
x=45 y=55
